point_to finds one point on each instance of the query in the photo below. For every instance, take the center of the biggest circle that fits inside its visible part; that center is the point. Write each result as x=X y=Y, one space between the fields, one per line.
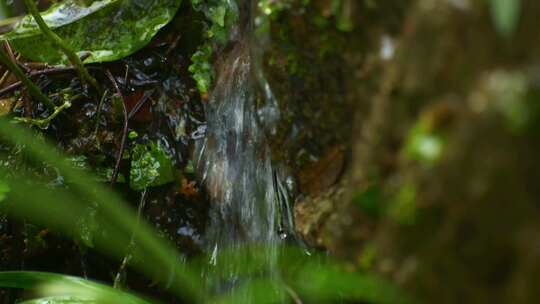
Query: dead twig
x=147 y=95
x=14 y=86
x=114 y=176
x=98 y=115
x=32 y=88
x=128 y=256
x=9 y=51
x=173 y=45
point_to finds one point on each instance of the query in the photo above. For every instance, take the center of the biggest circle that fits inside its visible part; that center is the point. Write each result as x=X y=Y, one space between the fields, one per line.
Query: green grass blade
x=156 y=257
x=260 y=291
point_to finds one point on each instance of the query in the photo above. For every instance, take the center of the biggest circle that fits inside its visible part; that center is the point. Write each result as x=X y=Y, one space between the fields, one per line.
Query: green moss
x=150 y=166
x=201 y=68
x=220 y=16
x=303 y=63
x=101 y=172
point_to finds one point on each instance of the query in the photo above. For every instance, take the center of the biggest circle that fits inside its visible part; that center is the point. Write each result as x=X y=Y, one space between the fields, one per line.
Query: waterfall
x=235 y=159
x=249 y=204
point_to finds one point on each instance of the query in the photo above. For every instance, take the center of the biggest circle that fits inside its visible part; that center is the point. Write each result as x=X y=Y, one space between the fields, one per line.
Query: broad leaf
x=57 y=288
x=56 y=16
x=106 y=30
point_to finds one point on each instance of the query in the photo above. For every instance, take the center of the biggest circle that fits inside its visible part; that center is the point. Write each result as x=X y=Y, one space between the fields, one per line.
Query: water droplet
x=282 y=234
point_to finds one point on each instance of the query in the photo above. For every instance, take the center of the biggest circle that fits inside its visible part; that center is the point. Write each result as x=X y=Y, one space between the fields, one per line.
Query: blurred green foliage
x=424 y=143
x=370 y=201
x=505 y=15
x=62 y=208
x=403 y=207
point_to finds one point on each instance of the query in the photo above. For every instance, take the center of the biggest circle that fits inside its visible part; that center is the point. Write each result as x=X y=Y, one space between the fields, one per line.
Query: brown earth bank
x=439 y=186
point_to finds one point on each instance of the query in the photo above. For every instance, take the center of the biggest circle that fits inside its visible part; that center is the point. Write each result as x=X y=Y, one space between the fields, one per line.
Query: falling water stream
x=249 y=202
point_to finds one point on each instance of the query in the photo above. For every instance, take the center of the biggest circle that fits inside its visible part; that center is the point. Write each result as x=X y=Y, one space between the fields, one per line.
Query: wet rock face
x=321 y=73
x=306 y=72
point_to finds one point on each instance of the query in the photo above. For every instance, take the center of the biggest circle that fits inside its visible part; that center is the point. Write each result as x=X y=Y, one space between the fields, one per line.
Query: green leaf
x=57 y=288
x=505 y=15
x=56 y=16
x=150 y=166
x=106 y=30
x=59 y=300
